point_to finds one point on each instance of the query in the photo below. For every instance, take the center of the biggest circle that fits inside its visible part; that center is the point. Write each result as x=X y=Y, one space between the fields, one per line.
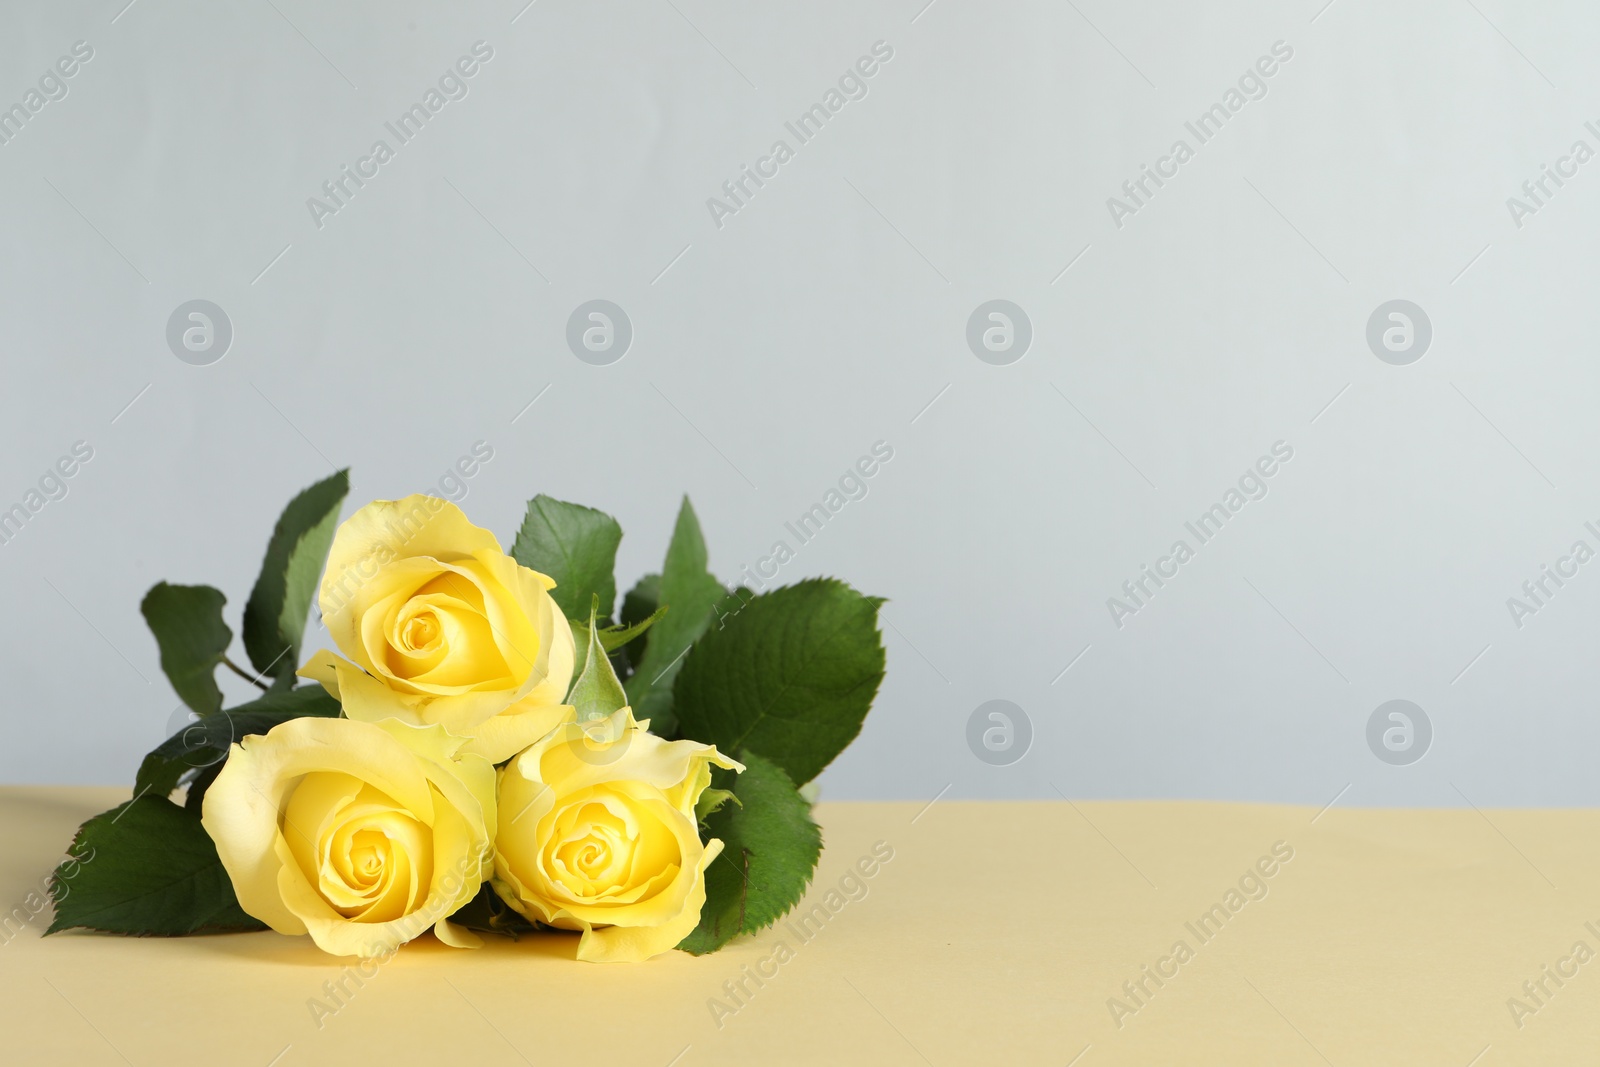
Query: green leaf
x=575 y=545
x=689 y=590
x=611 y=637
x=643 y=600
x=187 y=622
x=487 y=913
x=792 y=677
x=204 y=744
x=597 y=692
x=711 y=801
x=146 y=867
x=727 y=608
x=275 y=615
x=195 y=796
x=770 y=848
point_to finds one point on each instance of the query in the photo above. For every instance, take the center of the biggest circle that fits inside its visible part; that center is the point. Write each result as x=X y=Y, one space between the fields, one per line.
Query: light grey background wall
x=1175 y=342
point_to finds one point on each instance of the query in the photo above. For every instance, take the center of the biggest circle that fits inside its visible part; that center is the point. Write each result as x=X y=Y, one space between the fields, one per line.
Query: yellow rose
x=598 y=834
x=361 y=834
x=441 y=626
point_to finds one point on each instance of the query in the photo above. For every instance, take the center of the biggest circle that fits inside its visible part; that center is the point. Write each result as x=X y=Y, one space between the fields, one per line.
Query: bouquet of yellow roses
x=487 y=751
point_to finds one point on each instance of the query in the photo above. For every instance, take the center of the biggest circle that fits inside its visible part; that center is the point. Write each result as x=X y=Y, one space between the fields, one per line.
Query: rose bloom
x=440 y=626
x=598 y=834
x=361 y=834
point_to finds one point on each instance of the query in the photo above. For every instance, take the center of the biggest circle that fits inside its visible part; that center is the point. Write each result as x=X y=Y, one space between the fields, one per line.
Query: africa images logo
x=1252 y=85
x=852 y=85
x=1252 y=485
x=453 y=85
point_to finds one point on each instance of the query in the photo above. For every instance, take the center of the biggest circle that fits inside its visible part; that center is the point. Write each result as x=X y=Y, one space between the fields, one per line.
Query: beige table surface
x=996 y=934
